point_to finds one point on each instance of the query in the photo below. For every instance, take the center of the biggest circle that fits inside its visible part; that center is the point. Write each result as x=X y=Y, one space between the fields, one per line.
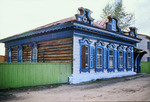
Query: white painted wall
x=78 y=77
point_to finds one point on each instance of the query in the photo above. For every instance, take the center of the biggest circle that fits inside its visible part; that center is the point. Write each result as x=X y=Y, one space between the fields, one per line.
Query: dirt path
x=121 y=89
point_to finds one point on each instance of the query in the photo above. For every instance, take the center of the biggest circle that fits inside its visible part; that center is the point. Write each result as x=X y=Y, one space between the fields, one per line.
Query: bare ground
x=132 y=88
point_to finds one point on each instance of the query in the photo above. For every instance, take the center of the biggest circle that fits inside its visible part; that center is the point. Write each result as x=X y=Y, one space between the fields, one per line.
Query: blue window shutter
x=91 y=56
x=132 y=62
x=124 y=56
x=105 y=58
x=115 y=58
x=9 y=55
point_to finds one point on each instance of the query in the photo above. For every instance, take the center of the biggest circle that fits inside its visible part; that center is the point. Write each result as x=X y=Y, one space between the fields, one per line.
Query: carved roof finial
x=113 y=24
x=133 y=31
x=84 y=16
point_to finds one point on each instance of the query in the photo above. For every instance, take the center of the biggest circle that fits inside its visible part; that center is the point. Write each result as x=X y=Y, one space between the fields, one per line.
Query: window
x=148 y=59
x=34 y=55
x=20 y=56
x=85 y=56
x=9 y=54
x=120 y=59
x=129 y=59
x=19 y=53
x=148 y=45
x=34 y=52
x=111 y=57
x=99 y=58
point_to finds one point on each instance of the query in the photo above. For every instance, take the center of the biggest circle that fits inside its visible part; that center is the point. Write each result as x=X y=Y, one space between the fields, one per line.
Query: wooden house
x=95 y=49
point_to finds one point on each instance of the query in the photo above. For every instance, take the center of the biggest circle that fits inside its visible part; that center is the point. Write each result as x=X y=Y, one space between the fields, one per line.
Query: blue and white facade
x=109 y=53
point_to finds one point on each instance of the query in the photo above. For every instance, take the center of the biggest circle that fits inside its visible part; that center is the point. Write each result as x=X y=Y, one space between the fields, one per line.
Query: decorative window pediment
x=121 y=47
x=130 y=49
x=33 y=45
x=113 y=24
x=111 y=46
x=85 y=41
x=84 y=16
x=100 y=43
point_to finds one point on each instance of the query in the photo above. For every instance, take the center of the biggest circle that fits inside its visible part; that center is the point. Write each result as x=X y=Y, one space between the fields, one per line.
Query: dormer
x=84 y=16
x=113 y=24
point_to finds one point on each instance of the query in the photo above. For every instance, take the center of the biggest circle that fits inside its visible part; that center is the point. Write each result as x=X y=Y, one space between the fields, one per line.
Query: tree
x=117 y=10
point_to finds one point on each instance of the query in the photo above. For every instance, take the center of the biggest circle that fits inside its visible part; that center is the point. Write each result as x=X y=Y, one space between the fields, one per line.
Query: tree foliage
x=117 y=10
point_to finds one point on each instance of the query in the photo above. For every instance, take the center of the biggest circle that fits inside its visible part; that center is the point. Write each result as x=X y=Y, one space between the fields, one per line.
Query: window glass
x=111 y=57
x=148 y=59
x=99 y=57
x=34 y=55
x=120 y=59
x=129 y=59
x=86 y=56
x=19 y=55
x=148 y=45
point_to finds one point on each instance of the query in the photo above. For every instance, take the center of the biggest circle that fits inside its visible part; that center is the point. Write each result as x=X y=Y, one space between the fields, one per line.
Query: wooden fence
x=145 y=67
x=14 y=75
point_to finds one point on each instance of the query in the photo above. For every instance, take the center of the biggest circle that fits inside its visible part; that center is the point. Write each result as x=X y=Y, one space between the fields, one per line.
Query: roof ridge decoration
x=113 y=24
x=133 y=31
x=85 y=16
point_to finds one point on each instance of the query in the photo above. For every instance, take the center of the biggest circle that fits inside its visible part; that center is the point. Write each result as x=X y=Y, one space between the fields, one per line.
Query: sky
x=18 y=16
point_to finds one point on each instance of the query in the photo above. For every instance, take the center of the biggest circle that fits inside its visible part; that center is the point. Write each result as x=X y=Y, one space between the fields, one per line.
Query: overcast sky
x=17 y=16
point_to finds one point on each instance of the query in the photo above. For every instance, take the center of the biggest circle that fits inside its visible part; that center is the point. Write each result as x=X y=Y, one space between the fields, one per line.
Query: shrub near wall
x=14 y=75
x=145 y=67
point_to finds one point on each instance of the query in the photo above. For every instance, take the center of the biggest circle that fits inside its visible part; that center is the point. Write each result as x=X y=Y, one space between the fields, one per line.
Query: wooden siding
x=26 y=54
x=14 y=75
x=6 y=55
x=59 y=50
x=14 y=54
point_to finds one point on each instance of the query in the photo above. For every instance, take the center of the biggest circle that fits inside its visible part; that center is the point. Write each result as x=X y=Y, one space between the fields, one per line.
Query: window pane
x=148 y=59
x=111 y=56
x=99 y=57
x=148 y=45
x=129 y=62
x=34 y=56
x=129 y=54
x=86 y=56
x=120 y=59
x=120 y=53
x=98 y=61
x=110 y=62
x=86 y=49
x=99 y=51
x=111 y=52
x=129 y=59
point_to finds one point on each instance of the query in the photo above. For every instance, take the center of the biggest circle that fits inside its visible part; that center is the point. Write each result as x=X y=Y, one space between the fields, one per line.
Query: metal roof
x=42 y=29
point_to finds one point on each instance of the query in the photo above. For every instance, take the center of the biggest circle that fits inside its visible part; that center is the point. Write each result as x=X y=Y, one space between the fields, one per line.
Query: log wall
x=59 y=50
x=14 y=54
x=6 y=55
x=26 y=54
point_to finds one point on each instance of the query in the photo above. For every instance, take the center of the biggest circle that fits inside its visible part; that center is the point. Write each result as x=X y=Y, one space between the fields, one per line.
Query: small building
x=2 y=58
x=144 y=45
x=96 y=50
